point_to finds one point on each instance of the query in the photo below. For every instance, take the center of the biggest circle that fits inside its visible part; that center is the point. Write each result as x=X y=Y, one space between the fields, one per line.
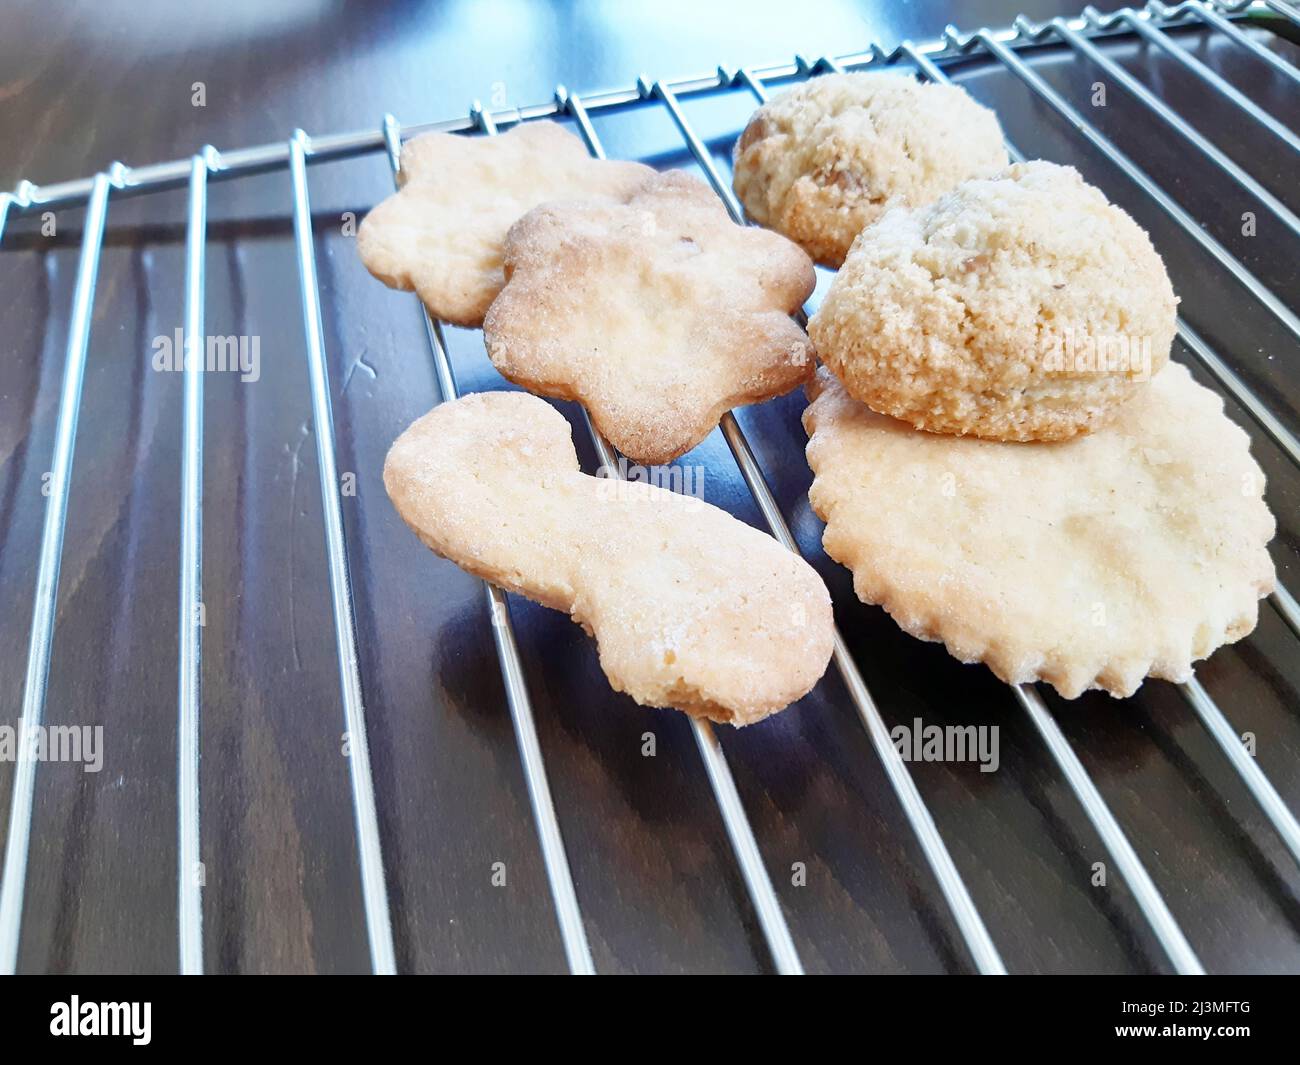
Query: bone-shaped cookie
x=658 y=315
x=690 y=607
x=442 y=234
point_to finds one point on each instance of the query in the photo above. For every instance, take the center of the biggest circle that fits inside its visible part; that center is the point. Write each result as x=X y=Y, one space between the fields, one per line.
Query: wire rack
x=929 y=60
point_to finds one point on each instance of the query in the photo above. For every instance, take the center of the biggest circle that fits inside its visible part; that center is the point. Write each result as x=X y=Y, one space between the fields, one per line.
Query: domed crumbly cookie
x=658 y=315
x=826 y=159
x=690 y=607
x=1091 y=563
x=1022 y=307
x=442 y=233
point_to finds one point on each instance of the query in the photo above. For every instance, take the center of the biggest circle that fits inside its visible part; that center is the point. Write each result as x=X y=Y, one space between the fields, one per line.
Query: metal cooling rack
x=929 y=60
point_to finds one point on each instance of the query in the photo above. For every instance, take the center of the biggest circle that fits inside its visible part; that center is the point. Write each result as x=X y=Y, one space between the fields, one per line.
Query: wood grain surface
x=83 y=84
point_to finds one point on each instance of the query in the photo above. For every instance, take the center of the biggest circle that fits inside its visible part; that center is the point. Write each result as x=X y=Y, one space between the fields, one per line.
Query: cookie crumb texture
x=826 y=159
x=1020 y=307
x=1092 y=563
x=441 y=234
x=657 y=315
x=690 y=607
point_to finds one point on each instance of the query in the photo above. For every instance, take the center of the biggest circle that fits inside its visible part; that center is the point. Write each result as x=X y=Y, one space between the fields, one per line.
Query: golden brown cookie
x=826 y=159
x=1020 y=307
x=690 y=607
x=1091 y=563
x=441 y=235
x=658 y=315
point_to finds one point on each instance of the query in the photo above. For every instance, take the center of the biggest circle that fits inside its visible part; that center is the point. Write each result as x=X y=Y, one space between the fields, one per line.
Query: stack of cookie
x=1003 y=457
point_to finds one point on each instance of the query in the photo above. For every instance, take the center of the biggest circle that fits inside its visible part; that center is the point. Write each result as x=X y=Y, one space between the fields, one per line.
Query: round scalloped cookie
x=1091 y=563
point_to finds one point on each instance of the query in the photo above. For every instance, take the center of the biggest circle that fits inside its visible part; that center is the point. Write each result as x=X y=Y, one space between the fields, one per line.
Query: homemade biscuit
x=441 y=235
x=1091 y=563
x=829 y=157
x=690 y=607
x=658 y=315
x=1020 y=307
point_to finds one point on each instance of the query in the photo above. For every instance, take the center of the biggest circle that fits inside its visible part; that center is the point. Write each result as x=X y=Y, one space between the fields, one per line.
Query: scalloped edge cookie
x=1090 y=563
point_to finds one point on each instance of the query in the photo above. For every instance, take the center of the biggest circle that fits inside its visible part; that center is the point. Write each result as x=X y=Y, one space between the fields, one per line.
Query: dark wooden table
x=84 y=84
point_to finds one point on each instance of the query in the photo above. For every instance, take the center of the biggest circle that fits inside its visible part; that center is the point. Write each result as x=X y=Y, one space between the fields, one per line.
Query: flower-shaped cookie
x=441 y=235
x=658 y=315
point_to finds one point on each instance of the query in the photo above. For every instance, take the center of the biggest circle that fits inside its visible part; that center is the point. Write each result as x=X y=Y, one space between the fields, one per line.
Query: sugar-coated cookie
x=441 y=235
x=658 y=315
x=690 y=607
x=1019 y=307
x=830 y=156
x=1090 y=563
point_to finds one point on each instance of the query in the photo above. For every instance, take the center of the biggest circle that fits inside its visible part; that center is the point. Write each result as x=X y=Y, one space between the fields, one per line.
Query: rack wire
x=927 y=60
